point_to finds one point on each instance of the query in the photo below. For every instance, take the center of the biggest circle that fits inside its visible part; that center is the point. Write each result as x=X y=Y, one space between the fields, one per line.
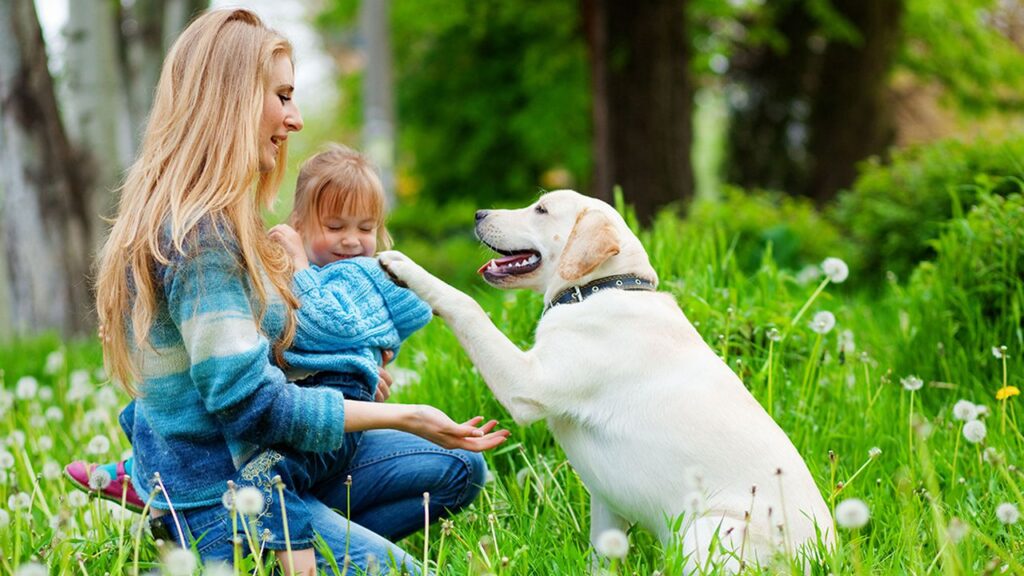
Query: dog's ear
x=592 y=241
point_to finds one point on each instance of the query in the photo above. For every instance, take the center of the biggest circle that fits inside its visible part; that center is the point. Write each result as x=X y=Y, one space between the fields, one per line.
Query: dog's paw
x=405 y=272
x=392 y=262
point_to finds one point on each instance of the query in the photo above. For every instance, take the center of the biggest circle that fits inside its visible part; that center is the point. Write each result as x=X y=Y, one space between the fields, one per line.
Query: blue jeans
x=390 y=472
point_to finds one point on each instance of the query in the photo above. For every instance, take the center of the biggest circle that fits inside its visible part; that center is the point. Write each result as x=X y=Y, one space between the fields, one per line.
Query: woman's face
x=280 y=114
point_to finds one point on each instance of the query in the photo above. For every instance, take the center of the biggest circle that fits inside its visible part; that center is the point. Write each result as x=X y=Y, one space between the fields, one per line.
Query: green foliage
x=753 y=223
x=491 y=95
x=895 y=209
x=960 y=44
x=971 y=298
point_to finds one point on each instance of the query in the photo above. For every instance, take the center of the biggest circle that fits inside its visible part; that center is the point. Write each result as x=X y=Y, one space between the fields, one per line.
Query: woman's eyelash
x=284 y=98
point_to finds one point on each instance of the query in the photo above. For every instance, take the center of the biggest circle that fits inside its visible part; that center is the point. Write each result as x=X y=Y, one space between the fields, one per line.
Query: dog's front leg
x=602 y=519
x=514 y=376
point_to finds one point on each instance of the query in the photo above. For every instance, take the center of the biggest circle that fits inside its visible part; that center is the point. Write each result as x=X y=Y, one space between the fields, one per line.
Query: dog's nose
x=480 y=215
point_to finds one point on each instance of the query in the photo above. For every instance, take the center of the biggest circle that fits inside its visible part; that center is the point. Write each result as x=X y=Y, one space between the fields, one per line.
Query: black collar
x=574 y=294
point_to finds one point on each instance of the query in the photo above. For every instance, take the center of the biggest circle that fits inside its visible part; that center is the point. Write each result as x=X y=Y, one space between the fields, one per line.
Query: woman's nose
x=293 y=120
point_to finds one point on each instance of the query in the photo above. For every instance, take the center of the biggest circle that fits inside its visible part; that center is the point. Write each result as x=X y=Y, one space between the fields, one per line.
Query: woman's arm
x=424 y=421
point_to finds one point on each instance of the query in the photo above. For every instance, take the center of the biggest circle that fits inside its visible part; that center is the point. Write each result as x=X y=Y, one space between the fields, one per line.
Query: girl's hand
x=434 y=425
x=290 y=240
x=384 y=383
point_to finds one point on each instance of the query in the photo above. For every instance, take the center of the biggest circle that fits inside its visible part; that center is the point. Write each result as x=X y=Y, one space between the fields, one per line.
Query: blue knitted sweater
x=349 y=311
x=210 y=396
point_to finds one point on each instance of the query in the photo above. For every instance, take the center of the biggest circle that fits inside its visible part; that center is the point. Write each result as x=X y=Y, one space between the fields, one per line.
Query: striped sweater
x=211 y=397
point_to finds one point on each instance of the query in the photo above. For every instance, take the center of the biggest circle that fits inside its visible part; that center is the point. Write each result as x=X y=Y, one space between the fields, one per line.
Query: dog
x=657 y=426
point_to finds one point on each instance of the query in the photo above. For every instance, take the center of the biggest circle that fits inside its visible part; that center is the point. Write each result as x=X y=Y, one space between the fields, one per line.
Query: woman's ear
x=592 y=241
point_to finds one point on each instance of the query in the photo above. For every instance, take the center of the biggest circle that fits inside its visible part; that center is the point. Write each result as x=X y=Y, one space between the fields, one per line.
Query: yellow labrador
x=654 y=422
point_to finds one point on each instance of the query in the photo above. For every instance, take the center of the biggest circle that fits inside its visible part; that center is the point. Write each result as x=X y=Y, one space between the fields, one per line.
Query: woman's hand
x=432 y=424
x=290 y=240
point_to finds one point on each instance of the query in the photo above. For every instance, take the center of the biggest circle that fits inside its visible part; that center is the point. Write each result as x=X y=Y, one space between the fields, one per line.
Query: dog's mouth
x=512 y=263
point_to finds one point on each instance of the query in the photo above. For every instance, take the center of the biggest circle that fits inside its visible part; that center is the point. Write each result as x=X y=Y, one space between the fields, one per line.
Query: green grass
x=835 y=404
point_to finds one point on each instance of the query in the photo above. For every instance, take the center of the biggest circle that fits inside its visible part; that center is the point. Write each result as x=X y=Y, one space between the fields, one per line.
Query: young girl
x=196 y=300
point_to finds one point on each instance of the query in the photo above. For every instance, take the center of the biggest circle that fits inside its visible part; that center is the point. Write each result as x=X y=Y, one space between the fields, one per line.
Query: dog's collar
x=574 y=294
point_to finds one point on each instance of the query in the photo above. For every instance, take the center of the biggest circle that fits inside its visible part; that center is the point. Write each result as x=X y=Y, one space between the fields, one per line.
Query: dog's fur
x=653 y=421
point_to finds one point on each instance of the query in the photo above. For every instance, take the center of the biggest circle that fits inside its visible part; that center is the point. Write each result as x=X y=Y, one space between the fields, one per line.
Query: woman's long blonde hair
x=199 y=159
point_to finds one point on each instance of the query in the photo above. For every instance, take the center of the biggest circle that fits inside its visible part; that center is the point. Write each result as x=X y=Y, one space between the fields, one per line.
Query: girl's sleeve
x=408 y=312
x=230 y=358
x=337 y=311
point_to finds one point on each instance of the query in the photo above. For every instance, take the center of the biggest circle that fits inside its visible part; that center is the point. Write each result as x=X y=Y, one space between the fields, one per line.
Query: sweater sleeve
x=339 y=309
x=230 y=358
x=408 y=312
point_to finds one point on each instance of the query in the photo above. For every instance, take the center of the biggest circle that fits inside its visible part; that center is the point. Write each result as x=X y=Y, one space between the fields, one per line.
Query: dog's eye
x=540 y=209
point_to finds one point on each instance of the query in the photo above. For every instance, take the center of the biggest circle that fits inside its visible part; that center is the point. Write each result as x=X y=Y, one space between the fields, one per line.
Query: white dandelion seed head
x=965 y=411
x=612 y=543
x=44 y=443
x=54 y=414
x=6 y=459
x=31 y=569
x=16 y=438
x=249 y=501
x=180 y=562
x=6 y=401
x=26 y=388
x=991 y=455
x=227 y=499
x=956 y=530
x=836 y=270
x=5 y=518
x=77 y=499
x=80 y=388
x=99 y=445
x=1007 y=513
x=999 y=351
x=107 y=397
x=823 y=322
x=846 y=343
x=808 y=274
x=54 y=362
x=852 y=514
x=96 y=417
x=51 y=470
x=37 y=422
x=874 y=452
x=19 y=501
x=3 y=477
x=981 y=410
x=99 y=479
x=218 y=569
x=911 y=383
x=774 y=335
x=974 y=431
x=45 y=393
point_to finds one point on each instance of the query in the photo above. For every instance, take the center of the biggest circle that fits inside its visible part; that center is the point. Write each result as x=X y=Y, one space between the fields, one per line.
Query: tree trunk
x=852 y=118
x=643 y=101
x=47 y=224
x=378 y=93
x=771 y=104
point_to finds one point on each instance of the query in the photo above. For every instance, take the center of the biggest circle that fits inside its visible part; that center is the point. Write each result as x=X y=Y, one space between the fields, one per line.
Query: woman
x=196 y=300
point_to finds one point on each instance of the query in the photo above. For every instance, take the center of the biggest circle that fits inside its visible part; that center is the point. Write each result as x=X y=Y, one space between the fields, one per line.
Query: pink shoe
x=78 y=473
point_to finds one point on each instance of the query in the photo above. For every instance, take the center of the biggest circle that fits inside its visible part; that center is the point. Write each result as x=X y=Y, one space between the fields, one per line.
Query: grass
x=932 y=495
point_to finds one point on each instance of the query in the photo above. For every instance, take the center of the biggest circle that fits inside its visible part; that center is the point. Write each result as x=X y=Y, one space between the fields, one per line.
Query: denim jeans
x=390 y=472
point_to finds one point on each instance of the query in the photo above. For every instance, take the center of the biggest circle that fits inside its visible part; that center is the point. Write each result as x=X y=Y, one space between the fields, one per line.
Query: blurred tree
x=59 y=176
x=642 y=101
x=44 y=192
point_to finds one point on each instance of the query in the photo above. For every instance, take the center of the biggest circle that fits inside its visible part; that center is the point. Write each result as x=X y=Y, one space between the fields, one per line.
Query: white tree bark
x=46 y=229
x=378 y=92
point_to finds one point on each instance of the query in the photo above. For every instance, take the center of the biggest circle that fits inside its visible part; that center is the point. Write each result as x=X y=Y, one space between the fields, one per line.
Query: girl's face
x=341 y=236
x=280 y=114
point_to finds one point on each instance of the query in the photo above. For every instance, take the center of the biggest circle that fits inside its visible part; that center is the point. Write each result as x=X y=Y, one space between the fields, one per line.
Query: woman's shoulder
x=185 y=240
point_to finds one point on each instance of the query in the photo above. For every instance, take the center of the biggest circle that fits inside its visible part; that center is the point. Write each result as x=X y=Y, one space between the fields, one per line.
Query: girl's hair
x=338 y=180
x=199 y=159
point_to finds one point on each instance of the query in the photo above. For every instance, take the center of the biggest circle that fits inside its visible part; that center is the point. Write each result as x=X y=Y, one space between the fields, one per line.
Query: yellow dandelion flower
x=1007 y=392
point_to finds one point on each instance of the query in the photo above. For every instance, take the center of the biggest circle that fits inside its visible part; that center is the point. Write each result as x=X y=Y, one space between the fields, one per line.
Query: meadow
x=900 y=395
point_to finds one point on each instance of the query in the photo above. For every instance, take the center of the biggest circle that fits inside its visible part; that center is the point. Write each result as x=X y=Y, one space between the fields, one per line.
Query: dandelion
x=44 y=443
x=80 y=388
x=51 y=470
x=991 y=455
x=31 y=569
x=965 y=411
x=846 y=343
x=912 y=383
x=54 y=362
x=77 y=499
x=774 y=335
x=45 y=393
x=956 y=530
x=874 y=452
x=6 y=401
x=218 y=569
x=99 y=445
x=808 y=274
x=823 y=322
x=835 y=269
x=249 y=501
x=5 y=518
x=852 y=514
x=99 y=479
x=37 y=422
x=6 y=459
x=19 y=501
x=227 y=499
x=180 y=562
x=612 y=543
x=974 y=431
x=54 y=414
x=26 y=388
x=107 y=397
x=999 y=352
x=1007 y=513
x=982 y=410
